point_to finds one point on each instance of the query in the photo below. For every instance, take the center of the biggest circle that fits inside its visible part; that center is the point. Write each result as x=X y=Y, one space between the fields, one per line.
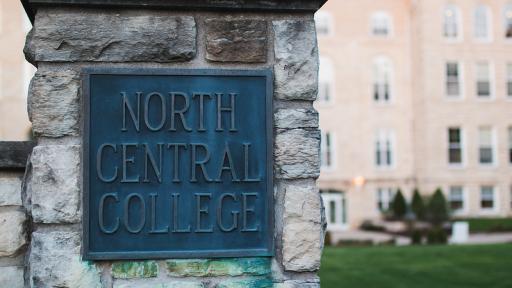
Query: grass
x=480 y=225
x=418 y=267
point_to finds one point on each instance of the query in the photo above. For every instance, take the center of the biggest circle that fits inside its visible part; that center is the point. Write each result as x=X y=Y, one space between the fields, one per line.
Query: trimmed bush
x=437 y=235
x=418 y=206
x=327 y=239
x=416 y=237
x=399 y=206
x=438 y=208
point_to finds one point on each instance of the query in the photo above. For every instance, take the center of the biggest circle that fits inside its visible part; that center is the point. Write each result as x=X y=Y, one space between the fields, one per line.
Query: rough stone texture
x=12 y=231
x=55 y=188
x=297 y=284
x=296 y=154
x=74 y=35
x=296 y=118
x=246 y=283
x=218 y=267
x=128 y=270
x=296 y=53
x=236 y=40
x=11 y=277
x=302 y=212
x=55 y=262
x=54 y=103
x=156 y=284
x=10 y=190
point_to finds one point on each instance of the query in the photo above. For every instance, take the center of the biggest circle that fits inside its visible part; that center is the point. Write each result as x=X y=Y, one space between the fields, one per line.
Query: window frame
x=509 y=145
x=495 y=194
x=326 y=150
x=382 y=66
x=460 y=78
x=389 y=194
x=340 y=200
x=491 y=75
x=384 y=152
x=326 y=75
x=378 y=16
x=465 y=204
x=508 y=80
x=489 y=22
x=325 y=18
x=462 y=147
x=458 y=22
x=493 y=147
x=507 y=21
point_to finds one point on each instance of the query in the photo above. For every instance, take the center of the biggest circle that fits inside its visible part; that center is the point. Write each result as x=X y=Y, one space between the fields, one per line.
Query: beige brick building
x=15 y=72
x=415 y=94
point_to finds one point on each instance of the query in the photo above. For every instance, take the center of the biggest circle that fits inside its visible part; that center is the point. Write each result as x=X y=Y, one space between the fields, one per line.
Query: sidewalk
x=490 y=238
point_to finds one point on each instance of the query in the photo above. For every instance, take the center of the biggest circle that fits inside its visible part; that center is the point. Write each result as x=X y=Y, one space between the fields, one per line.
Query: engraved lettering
x=180 y=113
x=126 y=161
x=200 y=211
x=230 y=109
x=199 y=163
x=149 y=157
x=163 y=115
x=99 y=163
x=142 y=213
x=154 y=230
x=230 y=168
x=233 y=213
x=127 y=106
x=246 y=210
x=201 y=109
x=101 y=216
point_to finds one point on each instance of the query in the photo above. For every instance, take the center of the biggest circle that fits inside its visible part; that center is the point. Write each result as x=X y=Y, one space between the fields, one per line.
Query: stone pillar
x=68 y=36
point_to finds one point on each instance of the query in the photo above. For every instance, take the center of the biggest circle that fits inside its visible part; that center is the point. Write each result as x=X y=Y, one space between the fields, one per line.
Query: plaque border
x=86 y=72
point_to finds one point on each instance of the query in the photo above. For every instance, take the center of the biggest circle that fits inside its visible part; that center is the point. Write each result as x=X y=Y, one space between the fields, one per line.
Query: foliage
x=437 y=235
x=327 y=239
x=368 y=225
x=438 y=208
x=436 y=266
x=399 y=206
x=418 y=206
x=489 y=225
x=416 y=237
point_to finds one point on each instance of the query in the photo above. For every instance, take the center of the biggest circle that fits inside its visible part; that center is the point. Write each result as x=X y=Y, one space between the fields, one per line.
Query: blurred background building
x=415 y=94
x=15 y=72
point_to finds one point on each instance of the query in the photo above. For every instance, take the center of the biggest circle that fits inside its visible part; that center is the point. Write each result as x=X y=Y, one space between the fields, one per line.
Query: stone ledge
x=14 y=154
x=218 y=267
x=135 y=269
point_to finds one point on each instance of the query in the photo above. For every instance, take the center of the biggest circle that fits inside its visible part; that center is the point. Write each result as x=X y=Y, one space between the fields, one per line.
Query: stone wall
x=65 y=40
x=14 y=224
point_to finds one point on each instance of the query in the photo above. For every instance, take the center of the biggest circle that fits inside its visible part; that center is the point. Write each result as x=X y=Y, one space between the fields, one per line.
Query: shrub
x=327 y=239
x=418 y=206
x=369 y=226
x=399 y=206
x=438 y=208
x=416 y=237
x=437 y=235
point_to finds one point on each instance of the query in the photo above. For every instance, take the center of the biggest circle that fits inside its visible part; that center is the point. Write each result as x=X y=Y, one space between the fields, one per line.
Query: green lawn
x=486 y=266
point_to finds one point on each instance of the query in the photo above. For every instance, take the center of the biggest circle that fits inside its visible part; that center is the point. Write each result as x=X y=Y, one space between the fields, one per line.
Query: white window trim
x=327 y=78
x=384 y=134
x=496 y=200
x=463 y=163
x=504 y=23
x=495 y=153
x=460 y=25
x=509 y=145
x=465 y=198
x=329 y=20
x=392 y=94
x=462 y=85
x=490 y=22
x=337 y=198
x=508 y=77
x=333 y=165
x=391 y=29
x=492 y=82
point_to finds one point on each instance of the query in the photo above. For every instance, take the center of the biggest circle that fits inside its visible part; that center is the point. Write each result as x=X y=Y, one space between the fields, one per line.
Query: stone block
x=111 y=36
x=13 y=234
x=133 y=269
x=10 y=191
x=296 y=154
x=158 y=284
x=246 y=283
x=230 y=40
x=296 y=118
x=54 y=187
x=55 y=262
x=218 y=267
x=302 y=212
x=54 y=103
x=11 y=277
x=297 y=284
x=296 y=54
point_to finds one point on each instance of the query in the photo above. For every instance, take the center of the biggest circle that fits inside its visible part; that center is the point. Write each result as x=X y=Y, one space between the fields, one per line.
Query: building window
x=508 y=21
x=382 y=75
x=486 y=145
x=509 y=80
x=483 y=80
x=455 y=145
x=384 y=149
x=335 y=204
x=327 y=152
x=456 y=199
x=451 y=22
x=487 y=198
x=510 y=144
x=381 y=24
x=453 y=79
x=325 y=81
x=482 y=22
x=384 y=198
x=323 y=21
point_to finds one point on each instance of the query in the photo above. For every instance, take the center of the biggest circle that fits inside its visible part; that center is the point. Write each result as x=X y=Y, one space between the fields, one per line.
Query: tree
x=399 y=206
x=418 y=206
x=438 y=208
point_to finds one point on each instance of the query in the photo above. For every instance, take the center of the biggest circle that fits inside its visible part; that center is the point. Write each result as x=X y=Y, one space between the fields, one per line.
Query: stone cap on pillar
x=230 y=5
